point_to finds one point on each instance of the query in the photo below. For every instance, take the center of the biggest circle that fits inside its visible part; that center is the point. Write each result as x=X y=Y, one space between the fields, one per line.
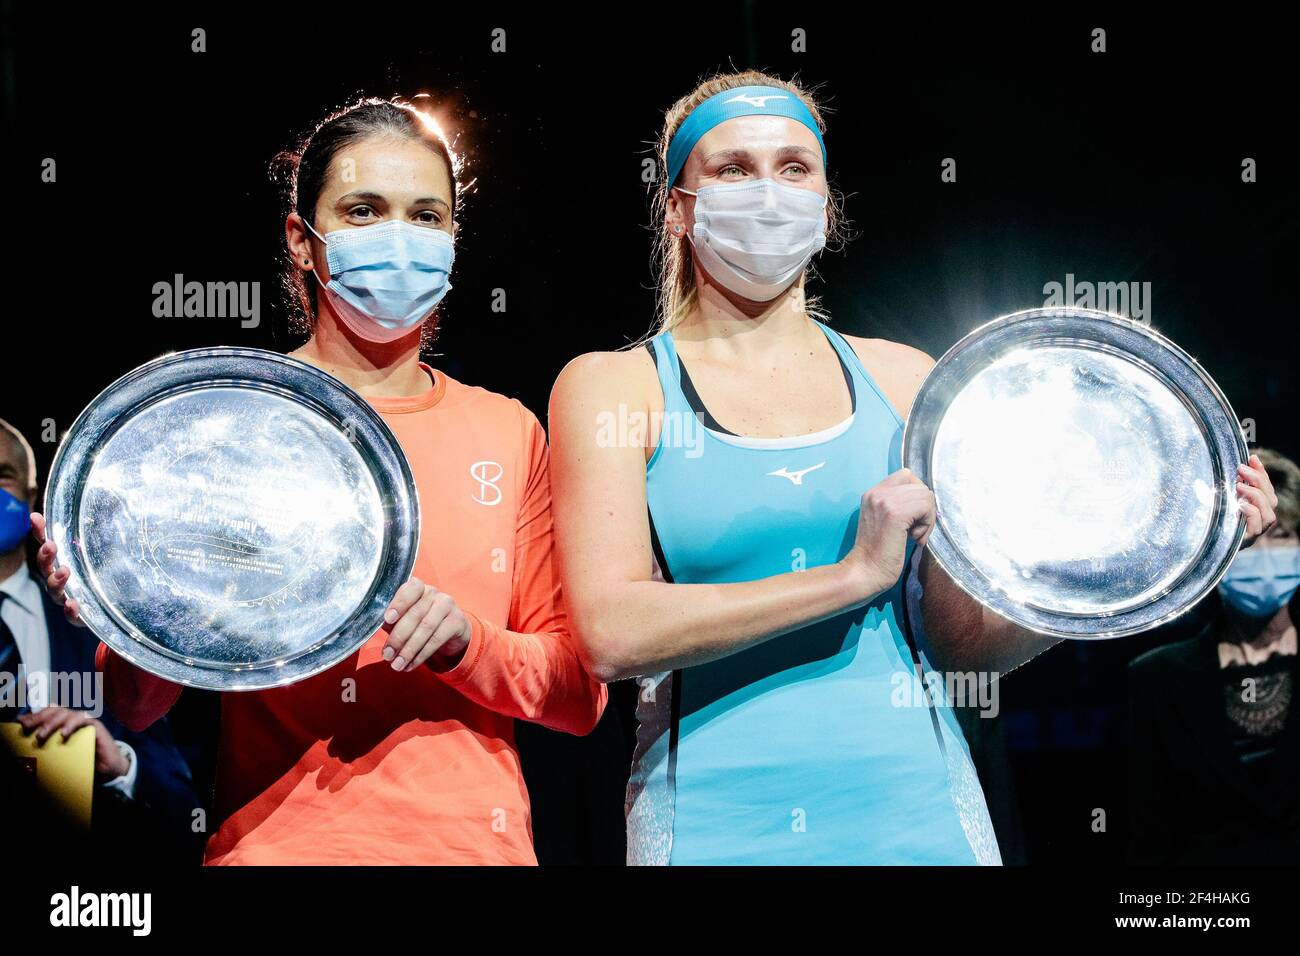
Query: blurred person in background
x=144 y=794
x=1214 y=749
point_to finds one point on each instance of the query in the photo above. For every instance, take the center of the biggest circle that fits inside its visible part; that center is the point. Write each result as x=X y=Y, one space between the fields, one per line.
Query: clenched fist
x=898 y=508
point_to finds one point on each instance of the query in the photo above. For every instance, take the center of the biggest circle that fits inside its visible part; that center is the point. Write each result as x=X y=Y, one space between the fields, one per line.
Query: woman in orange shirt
x=403 y=753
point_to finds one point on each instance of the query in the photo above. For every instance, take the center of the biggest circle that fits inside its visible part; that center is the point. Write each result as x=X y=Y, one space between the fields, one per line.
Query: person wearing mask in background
x=417 y=764
x=144 y=794
x=1214 y=741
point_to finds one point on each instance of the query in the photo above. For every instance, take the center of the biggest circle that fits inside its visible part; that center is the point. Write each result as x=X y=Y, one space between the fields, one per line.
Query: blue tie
x=9 y=661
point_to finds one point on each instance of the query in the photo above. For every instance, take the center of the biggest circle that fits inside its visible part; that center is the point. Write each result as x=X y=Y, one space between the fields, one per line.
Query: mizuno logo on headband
x=755 y=101
x=742 y=101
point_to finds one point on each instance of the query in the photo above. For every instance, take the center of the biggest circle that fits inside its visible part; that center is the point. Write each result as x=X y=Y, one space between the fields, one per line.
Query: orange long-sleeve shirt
x=361 y=764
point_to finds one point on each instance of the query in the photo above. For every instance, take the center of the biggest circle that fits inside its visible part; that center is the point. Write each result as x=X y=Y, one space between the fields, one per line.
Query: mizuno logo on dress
x=796 y=477
x=758 y=102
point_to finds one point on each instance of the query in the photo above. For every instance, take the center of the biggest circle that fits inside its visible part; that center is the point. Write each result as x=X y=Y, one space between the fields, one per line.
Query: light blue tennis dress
x=816 y=747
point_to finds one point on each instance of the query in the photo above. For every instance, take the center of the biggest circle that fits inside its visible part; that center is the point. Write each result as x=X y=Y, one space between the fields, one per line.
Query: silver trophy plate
x=1084 y=469
x=232 y=519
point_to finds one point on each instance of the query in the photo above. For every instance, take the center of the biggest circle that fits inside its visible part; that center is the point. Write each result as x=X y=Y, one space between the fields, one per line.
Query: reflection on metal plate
x=232 y=518
x=1083 y=468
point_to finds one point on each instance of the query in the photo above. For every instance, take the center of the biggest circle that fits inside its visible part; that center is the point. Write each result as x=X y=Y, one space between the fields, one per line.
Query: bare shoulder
x=606 y=380
x=898 y=369
x=624 y=370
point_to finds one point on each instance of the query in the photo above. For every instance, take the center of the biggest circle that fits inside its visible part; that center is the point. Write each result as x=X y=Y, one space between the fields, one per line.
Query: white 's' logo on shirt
x=487 y=474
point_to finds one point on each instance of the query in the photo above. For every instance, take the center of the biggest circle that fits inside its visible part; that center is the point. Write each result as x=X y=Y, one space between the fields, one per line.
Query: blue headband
x=745 y=101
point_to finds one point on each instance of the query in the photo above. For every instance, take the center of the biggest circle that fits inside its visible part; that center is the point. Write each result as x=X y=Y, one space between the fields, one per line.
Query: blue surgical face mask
x=15 y=521
x=1261 y=580
x=385 y=279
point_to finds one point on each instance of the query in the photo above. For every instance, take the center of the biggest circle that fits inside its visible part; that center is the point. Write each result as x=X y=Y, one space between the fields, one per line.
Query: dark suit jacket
x=1190 y=800
x=158 y=821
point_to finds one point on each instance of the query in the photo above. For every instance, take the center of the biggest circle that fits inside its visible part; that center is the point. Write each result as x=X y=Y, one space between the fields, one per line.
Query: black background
x=1122 y=166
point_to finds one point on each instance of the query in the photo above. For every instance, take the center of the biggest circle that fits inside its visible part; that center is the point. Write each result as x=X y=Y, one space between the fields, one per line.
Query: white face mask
x=755 y=238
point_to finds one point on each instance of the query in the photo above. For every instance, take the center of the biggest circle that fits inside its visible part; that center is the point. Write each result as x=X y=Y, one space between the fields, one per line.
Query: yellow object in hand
x=65 y=769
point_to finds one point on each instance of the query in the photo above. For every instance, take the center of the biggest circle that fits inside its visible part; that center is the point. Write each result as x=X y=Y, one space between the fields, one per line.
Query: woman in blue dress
x=736 y=531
